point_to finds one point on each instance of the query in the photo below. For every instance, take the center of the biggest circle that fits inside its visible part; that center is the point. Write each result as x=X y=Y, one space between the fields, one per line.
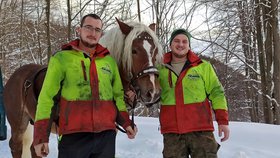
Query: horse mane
x=120 y=46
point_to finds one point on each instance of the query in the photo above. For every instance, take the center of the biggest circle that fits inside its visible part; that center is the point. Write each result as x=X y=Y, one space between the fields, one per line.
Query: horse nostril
x=153 y=93
x=149 y=93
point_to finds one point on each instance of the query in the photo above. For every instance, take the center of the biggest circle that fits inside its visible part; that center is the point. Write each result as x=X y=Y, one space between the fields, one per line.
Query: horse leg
x=17 y=133
x=33 y=153
x=29 y=133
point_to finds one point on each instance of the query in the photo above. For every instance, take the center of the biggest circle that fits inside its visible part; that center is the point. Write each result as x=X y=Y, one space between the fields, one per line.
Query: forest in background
x=240 y=37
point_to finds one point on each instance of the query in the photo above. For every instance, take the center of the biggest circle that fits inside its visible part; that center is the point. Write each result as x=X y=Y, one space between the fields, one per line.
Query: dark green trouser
x=194 y=144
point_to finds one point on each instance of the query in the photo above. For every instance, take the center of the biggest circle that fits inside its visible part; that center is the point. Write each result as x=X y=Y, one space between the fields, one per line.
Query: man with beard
x=190 y=90
x=91 y=100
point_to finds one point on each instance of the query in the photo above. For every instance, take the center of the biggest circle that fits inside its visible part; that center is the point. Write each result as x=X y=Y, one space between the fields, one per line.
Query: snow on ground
x=247 y=140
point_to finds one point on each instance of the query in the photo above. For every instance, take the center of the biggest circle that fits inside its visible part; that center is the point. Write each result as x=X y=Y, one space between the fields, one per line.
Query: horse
x=134 y=46
x=137 y=50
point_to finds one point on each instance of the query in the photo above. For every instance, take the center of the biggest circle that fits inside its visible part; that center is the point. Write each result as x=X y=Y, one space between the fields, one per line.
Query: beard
x=86 y=44
x=180 y=55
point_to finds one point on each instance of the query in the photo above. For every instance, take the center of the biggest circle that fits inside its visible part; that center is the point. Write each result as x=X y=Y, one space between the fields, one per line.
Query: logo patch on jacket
x=106 y=69
x=193 y=76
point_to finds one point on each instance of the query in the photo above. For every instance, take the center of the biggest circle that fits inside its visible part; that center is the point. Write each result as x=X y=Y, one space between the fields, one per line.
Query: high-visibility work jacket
x=187 y=100
x=91 y=93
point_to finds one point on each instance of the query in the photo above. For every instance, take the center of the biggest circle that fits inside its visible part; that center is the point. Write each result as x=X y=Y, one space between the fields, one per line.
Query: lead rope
x=132 y=112
x=133 y=105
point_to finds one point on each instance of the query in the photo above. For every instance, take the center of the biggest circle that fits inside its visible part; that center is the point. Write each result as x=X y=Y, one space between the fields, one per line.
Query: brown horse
x=135 y=48
x=20 y=99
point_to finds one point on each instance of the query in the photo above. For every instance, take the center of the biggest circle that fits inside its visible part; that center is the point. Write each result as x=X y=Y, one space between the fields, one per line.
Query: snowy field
x=247 y=140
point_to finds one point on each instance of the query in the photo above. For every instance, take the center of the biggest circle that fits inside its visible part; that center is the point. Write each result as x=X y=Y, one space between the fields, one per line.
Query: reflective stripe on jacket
x=185 y=106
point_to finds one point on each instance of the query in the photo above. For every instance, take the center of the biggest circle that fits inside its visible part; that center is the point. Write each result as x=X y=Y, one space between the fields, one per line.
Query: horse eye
x=134 y=52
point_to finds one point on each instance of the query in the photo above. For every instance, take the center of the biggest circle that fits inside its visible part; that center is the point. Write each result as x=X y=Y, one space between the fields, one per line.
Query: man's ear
x=78 y=30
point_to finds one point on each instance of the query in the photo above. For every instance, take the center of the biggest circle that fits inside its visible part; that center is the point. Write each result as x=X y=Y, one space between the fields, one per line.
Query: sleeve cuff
x=221 y=117
x=127 y=121
x=41 y=133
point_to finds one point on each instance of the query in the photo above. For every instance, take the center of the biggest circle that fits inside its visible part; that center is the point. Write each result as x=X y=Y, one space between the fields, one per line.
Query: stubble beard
x=180 y=55
x=86 y=44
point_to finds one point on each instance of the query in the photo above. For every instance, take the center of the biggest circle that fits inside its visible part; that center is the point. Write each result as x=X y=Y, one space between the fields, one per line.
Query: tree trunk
x=261 y=54
x=255 y=77
x=248 y=53
x=267 y=17
x=139 y=11
x=69 y=20
x=276 y=62
x=21 y=32
x=48 y=2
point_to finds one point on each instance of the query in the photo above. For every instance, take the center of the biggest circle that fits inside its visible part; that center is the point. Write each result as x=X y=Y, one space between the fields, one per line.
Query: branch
x=81 y=10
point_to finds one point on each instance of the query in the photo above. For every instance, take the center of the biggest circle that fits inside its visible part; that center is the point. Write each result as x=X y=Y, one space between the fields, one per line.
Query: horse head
x=137 y=58
x=142 y=73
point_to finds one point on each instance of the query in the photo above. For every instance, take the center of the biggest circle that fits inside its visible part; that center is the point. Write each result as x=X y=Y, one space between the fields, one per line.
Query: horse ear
x=152 y=27
x=124 y=27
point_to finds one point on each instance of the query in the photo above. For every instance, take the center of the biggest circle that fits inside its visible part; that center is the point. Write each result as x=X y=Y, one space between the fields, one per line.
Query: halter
x=132 y=82
x=135 y=88
x=146 y=71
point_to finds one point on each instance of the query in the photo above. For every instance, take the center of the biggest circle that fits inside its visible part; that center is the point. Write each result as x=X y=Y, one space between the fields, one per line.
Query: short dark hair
x=95 y=16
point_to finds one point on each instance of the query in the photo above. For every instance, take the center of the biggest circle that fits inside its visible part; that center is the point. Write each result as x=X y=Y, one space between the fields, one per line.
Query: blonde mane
x=120 y=46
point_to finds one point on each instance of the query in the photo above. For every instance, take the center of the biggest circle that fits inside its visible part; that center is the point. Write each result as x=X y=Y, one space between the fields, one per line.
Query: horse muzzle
x=151 y=97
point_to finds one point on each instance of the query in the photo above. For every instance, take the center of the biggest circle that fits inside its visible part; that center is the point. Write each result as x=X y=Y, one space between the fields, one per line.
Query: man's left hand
x=130 y=132
x=223 y=129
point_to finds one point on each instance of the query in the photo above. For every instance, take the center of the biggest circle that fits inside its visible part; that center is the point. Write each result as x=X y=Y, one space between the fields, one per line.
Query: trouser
x=88 y=145
x=194 y=144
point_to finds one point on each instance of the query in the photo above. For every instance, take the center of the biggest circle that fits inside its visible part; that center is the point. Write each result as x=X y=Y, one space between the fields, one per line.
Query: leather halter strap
x=146 y=71
x=134 y=87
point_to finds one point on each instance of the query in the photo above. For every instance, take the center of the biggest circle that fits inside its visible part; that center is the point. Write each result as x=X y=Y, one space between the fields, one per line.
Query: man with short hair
x=190 y=90
x=91 y=100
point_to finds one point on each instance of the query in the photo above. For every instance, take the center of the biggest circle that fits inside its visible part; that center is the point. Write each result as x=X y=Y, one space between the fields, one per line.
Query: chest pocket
x=194 y=81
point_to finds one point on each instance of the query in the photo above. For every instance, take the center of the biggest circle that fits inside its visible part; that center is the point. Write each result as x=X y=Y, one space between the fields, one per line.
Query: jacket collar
x=100 y=51
x=192 y=58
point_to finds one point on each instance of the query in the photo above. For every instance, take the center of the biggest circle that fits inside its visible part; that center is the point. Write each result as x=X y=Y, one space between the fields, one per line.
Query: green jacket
x=91 y=93
x=185 y=98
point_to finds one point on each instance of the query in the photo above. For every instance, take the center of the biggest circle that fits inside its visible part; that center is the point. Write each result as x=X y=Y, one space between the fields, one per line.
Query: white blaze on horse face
x=147 y=46
x=152 y=78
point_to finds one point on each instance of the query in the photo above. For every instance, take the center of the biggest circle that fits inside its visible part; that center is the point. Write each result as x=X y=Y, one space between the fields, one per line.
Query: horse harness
x=30 y=82
x=135 y=88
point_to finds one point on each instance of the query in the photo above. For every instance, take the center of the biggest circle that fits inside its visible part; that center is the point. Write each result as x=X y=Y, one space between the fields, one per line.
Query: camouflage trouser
x=194 y=144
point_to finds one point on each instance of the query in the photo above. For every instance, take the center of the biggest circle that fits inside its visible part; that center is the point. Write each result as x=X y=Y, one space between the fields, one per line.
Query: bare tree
x=69 y=20
x=242 y=35
x=21 y=25
x=253 y=36
x=48 y=5
x=267 y=24
x=276 y=62
x=248 y=43
x=139 y=10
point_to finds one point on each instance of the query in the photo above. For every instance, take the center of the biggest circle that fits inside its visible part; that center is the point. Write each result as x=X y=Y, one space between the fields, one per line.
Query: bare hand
x=223 y=129
x=130 y=95
x=42 y=150
x=130 y=132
